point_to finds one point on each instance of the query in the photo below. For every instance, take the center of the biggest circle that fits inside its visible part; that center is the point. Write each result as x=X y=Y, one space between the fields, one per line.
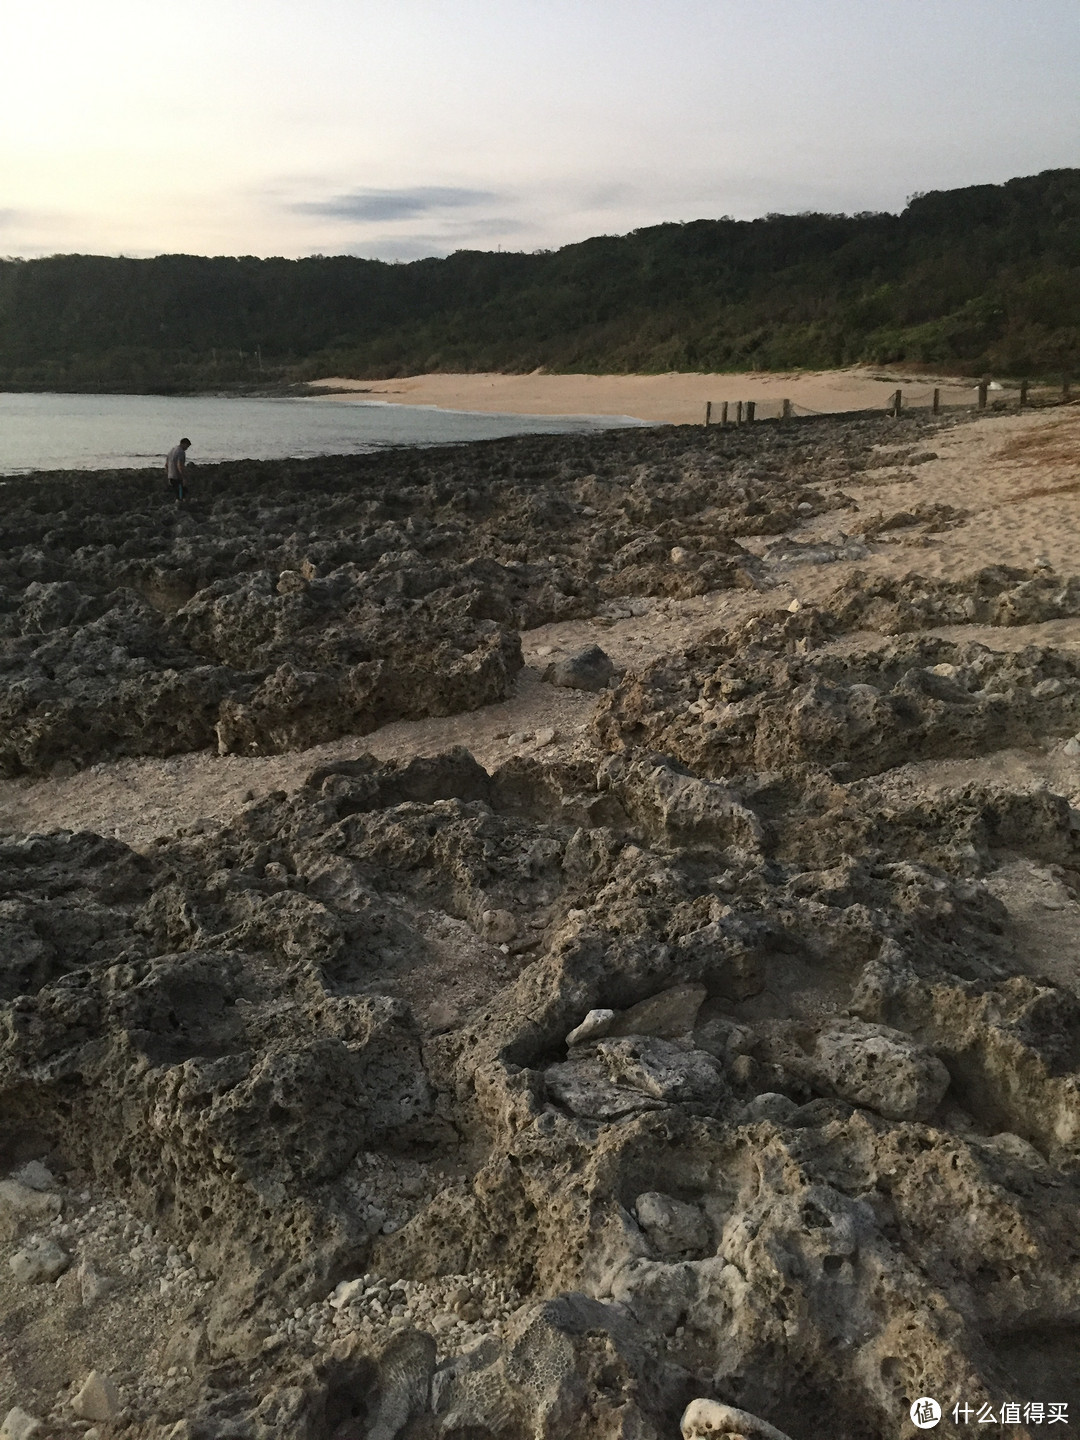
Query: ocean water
x=109 y=432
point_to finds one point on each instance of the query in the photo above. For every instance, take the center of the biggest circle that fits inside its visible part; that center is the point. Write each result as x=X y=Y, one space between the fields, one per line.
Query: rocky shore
x=708 y=1054
x=287 y=603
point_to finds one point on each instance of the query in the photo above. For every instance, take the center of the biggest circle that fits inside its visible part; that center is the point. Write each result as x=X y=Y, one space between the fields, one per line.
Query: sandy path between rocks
x=674 y=399
x=1017 y=476
x=139 y=799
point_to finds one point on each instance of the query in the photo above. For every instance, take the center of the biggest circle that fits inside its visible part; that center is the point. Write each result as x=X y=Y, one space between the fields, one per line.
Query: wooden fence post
x=1023 y=393
x=723 y=413
x=751 y=409
x=708 y=412
x=982 y=394
x=786 y=415
x=936 y=407
x=896 y=403
x=738 y=413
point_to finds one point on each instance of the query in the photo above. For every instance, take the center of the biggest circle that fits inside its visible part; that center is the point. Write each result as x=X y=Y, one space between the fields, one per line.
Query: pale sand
x=1017 y=477
x=674 y=399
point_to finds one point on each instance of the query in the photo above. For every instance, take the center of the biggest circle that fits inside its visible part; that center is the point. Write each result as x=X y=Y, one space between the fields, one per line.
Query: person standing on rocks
x=176 y=466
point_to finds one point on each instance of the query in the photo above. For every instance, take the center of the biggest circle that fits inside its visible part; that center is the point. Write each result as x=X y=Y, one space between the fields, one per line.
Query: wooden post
x=936 y=407
x=897 y=402
x=982 y=394
x=1023 y=393
x=787 y=410
x=751 y=407
x=723 y=413
x=738 y=413
x=708 y=412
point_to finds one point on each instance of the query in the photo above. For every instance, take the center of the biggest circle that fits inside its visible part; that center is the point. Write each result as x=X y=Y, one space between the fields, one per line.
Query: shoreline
x=671 y=398
x=675 y=398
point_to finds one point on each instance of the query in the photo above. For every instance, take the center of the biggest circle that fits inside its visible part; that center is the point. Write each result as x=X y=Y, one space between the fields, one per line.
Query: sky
x=405 y=128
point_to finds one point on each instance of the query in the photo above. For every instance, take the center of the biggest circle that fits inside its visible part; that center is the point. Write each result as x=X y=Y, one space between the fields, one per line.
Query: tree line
x=981 y=280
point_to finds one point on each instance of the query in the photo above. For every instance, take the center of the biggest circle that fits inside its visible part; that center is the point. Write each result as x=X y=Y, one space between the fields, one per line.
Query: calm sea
x=107 y=432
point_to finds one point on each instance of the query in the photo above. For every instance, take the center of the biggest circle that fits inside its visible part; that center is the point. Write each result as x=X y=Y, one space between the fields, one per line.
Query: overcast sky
x=399 y=128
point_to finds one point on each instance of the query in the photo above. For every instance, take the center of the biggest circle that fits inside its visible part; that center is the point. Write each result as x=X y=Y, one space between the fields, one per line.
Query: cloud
x=394 y=204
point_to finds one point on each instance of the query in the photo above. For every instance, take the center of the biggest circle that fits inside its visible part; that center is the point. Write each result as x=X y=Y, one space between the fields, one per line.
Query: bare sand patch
x=987 y=469
x=673 y=399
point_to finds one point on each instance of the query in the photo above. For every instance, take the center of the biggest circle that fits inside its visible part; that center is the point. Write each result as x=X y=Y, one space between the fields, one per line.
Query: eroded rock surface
x=702 y=1070
x=286 y=604
x=276 y=1009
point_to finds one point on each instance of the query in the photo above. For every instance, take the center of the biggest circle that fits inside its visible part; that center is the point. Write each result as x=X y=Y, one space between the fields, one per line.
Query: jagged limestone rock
x=881 y=1068
x=709 y=1420
x=97 y=1398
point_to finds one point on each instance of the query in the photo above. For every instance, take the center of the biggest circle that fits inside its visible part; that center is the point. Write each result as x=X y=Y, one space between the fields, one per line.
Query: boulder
x=881 y=1068
x=498 y=926
x=597 y=1023
x=38 y=1260
x=35 y=1176
x=680 y=809
x=662 y=1069
x=586 y=1090
x=672 y=1226
x=769 y=1106
x=589 y=669
x=23 y=1208
x=625 y=1075
x=670 y=1014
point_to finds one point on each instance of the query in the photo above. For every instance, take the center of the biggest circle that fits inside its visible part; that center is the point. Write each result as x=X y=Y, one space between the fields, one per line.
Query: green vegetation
x=980 y=280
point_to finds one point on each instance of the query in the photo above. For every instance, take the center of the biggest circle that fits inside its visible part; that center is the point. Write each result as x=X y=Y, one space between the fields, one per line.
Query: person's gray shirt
x=175 y=463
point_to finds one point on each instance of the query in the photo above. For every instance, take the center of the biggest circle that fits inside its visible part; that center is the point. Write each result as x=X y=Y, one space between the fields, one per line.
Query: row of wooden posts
x=897 y=401
x=745 y=410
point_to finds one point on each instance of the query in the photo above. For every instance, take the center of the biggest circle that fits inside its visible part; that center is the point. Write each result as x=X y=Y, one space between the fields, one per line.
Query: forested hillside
x=984 y=279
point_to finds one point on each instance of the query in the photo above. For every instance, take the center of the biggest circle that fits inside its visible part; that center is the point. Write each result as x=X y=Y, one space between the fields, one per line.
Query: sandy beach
x=672 y=399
